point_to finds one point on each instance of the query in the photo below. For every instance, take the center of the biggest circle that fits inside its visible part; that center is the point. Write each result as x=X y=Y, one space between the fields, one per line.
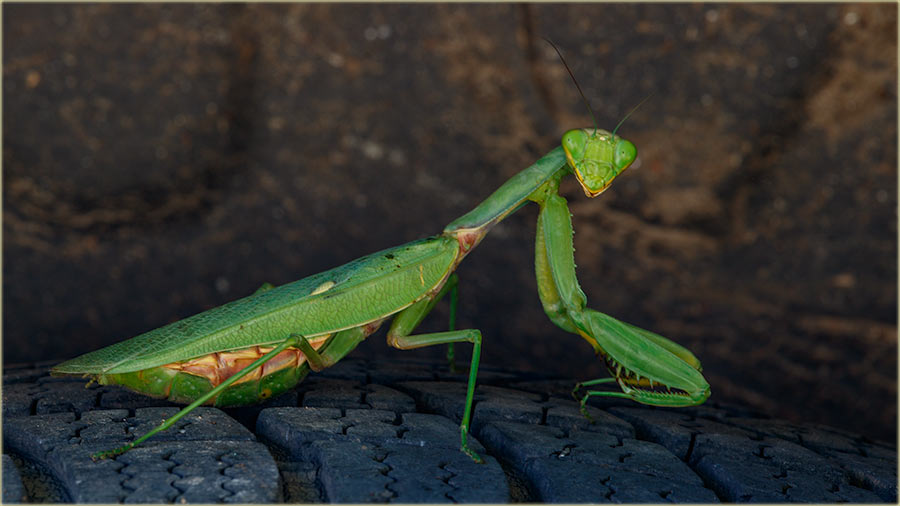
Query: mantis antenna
x=632 y=111
x=586 y=103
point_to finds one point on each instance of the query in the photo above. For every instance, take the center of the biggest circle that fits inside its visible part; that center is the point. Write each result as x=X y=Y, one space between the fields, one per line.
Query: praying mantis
x=262 y=345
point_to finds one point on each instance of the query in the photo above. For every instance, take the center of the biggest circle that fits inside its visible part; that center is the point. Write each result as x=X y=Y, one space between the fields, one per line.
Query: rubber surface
x=377 y=432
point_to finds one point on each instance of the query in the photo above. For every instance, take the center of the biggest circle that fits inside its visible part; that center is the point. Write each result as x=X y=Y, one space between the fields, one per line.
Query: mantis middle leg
x=345 y=341
x=400 y=336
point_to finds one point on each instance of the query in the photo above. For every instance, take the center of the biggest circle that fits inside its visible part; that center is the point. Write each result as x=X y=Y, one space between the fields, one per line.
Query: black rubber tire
x=376 y=432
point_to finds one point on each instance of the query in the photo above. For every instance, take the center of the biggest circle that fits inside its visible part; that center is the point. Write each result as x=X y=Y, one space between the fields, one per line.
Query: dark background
x=159 y=160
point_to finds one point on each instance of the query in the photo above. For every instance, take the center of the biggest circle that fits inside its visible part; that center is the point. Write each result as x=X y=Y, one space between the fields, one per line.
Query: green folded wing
x=363 y=291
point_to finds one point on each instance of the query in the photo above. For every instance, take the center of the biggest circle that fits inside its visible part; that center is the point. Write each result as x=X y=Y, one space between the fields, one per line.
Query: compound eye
x=624 y=154
x=573 y=143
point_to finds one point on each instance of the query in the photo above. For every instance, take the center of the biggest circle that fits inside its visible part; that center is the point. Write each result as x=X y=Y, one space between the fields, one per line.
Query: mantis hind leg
x=168 y=422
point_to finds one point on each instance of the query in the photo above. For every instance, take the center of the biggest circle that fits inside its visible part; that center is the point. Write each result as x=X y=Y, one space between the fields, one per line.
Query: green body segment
x=597 y=157
x=672 y=347
x=556 y=272
x=556 y=232
x=183 y=388
x=511 y=195
x=374 y=286
x=647 y=372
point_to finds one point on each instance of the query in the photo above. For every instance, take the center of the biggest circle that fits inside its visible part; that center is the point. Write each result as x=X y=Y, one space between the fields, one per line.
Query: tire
x=376 y=432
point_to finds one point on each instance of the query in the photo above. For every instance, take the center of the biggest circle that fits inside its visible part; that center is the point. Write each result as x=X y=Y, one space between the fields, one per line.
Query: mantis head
x=597 y=157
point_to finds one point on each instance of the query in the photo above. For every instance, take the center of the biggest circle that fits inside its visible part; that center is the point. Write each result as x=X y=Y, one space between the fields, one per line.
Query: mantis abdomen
x=183 y=382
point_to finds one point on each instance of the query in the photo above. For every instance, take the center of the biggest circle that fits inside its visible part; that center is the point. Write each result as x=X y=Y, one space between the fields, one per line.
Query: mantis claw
x=575 y=391
x=582 y=401
x=582 y=406
x=465 y=446
x=111 y=453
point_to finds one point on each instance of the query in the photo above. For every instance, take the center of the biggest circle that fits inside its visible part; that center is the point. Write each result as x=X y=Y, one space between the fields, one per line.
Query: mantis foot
x=465 y=446
x=582 y=401
x=575 y=391
x=111 y=453
x=582 y=406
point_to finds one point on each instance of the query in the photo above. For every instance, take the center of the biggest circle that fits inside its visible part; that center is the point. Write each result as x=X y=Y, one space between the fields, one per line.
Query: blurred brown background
x=159 y=160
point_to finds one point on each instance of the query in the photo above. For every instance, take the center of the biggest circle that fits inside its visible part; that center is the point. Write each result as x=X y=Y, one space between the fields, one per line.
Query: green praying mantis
x=260 y=346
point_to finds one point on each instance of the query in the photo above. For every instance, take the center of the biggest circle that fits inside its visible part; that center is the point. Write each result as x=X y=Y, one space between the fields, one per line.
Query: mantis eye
x=574 y=142
x=624 y=154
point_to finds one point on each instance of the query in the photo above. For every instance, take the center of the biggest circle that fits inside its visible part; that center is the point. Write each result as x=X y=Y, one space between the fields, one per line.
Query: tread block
x=206 y=457
x=674 y=429
x=771 y=470
x=366 y=455
x=61 y=395
x=593 y=467
x=762 y=460
x=358 y=472
x=294 y=428
x=13 y=488
x=194 y=471
x=503 y=404
x=336 y=393
x=867 y=464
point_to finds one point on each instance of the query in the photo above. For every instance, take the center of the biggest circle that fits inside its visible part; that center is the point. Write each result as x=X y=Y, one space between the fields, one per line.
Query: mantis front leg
x=647 y=367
